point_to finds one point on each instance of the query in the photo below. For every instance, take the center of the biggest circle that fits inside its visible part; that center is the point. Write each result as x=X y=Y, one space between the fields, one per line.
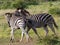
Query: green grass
x=33 y=9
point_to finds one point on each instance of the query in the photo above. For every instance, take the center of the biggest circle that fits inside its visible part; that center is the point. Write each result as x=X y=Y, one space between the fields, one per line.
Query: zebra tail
x=55 y=24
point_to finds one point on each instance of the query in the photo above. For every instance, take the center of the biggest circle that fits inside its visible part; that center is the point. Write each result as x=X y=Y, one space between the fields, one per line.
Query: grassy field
x=33 y=9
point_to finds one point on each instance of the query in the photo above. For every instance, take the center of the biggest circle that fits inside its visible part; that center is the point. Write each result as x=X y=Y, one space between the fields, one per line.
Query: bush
x=22 y=3
x=55 y=11
x=17 y=3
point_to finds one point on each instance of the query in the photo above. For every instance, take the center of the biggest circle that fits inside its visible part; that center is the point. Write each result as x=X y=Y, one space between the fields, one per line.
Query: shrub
x=17 y=3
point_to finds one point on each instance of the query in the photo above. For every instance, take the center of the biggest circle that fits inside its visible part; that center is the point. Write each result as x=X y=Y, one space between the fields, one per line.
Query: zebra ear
x=9 y=14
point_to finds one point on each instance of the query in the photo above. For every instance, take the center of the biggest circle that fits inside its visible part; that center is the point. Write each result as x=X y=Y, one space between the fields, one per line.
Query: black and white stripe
x=41 y=20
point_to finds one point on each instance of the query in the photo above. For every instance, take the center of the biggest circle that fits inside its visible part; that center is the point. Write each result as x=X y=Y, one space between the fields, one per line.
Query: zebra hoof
x=20 y=40
x=29 y=39
x=11 y=40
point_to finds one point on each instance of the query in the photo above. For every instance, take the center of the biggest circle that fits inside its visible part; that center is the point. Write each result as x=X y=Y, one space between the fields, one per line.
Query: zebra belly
x=37 y=24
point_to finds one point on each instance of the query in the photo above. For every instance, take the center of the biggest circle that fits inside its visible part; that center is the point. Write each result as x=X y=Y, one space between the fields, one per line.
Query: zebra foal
x=15 y=23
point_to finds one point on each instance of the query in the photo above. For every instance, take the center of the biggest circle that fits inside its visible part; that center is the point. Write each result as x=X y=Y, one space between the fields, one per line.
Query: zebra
x=16 y=23
x=40 y=20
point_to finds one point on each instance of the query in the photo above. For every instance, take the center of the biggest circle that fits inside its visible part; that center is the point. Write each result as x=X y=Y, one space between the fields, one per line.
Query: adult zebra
x=40 y=20
x=15 y=23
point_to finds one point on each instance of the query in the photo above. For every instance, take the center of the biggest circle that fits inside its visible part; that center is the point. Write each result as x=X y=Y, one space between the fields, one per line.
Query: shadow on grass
x=54 y=42
x=49 y=40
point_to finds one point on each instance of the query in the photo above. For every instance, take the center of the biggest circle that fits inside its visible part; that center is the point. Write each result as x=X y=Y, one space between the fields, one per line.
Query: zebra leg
x=12 y=34
x=46 y=29
x=28 y=29
x=22 y=35
x=34 y=29
x=23 y=30
x=52 y=28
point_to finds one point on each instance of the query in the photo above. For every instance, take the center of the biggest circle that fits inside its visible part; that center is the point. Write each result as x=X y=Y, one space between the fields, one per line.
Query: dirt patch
x=31 y=42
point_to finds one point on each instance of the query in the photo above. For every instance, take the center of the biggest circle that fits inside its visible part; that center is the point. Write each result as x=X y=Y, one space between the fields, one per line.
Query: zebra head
x=22 y=12
x=8 y=17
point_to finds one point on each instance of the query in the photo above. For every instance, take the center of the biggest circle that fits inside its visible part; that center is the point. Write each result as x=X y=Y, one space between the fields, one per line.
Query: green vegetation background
x=11 y=4
x=33 y=6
